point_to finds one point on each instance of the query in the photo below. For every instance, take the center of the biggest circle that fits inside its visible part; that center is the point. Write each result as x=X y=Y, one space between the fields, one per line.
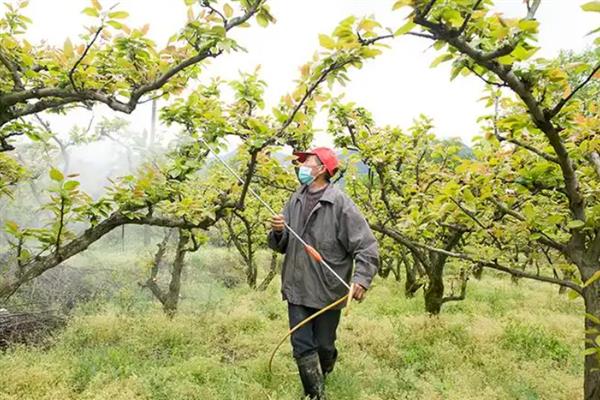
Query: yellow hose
x=300 y=325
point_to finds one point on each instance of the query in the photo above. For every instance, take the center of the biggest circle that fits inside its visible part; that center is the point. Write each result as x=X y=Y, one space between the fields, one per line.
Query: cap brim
x=302 y=155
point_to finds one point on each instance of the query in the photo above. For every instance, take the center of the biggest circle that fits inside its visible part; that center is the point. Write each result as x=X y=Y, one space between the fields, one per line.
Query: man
x=329 y=221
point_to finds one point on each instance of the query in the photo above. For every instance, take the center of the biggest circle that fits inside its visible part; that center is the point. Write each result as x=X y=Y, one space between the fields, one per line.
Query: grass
x=502 y=342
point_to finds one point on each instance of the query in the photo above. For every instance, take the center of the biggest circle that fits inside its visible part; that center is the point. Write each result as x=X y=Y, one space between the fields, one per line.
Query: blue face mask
x=305 y=175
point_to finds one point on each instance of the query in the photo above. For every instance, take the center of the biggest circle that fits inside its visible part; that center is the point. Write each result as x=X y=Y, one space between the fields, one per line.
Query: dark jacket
x=336 y=228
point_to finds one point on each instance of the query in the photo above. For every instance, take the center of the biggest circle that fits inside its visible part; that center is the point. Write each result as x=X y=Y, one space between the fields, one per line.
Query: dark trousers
x=318 y=335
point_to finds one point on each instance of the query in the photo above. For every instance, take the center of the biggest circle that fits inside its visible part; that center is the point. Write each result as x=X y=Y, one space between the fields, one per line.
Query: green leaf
x=400 y=4
x=118 y=14
x=56 y=175
x=440 y=59
x=407 y=27
x=326 y=41
x=12 y=227
x=97 y=5
x=592 y=279
x=262 y=20
x=572 y=295
x=591 y=6
x=592 y=318
x=227 y=10
x=591 y=350
x=468 y=195
x=574 y=224
x=68 y=48
x=115 y=24
x=92 y=12
x=71 y=185
x=529 y=25
x=189 y=2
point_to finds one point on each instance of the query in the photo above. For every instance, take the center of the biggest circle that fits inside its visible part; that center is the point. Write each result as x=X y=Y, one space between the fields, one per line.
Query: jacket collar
x=329 y=195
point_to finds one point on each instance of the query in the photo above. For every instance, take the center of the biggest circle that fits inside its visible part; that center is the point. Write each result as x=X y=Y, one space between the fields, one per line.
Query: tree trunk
x=385 y=268
x=478 y=272
x=397 y=271
x=172 y=297
x=251 y=271
x=434 y=291
x=271 y=274
x=591 y=295
x=411 y=285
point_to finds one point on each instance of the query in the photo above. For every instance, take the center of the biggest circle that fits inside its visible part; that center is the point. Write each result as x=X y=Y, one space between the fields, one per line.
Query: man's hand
x=358 y=292
x=277 y=223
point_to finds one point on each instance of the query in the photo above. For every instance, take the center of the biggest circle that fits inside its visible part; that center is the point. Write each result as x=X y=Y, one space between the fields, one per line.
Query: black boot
x=327 y=362
x=311 y=376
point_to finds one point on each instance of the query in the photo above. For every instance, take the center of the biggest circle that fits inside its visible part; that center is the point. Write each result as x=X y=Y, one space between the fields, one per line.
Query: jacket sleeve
x=278 y=241
x=355 y=234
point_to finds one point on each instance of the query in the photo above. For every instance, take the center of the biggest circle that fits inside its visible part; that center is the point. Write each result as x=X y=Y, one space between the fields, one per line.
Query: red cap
x=325 y=155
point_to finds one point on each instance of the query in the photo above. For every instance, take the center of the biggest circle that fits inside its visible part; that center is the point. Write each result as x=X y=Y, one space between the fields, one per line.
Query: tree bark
x=271 y=274
x=434 y=290
x=411 y=285
x=172 y=296
x=591 y=295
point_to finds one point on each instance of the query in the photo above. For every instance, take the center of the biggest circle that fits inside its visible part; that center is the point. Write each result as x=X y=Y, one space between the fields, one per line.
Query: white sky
x=395 y=87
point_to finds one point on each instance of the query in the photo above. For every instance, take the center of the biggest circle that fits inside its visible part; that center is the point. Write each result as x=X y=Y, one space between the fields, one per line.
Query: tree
x=169 y=298
x=545 y=111
x=117 y=71
x=112 y=65
x=172 y=194
x=408 y=193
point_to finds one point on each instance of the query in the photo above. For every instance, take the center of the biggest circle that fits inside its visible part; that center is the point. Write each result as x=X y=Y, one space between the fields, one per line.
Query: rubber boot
x=311 y=376
x=327 y=362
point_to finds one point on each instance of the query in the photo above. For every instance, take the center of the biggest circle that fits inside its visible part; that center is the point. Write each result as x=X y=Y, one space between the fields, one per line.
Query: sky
x=396 y=86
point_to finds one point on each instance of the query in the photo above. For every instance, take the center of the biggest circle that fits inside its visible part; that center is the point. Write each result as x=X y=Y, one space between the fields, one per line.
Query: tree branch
x=249 y=173
x=540 y=119
x=468 y=18
x=544 y=239
x=565 y=100
x=367 y=42
x=39 y=265
x=479 y=223
x=529 y=147
x=87 y=49
x=484 y=79
x=532 y=8
x=18 y=85
x=63 y=96
x=484 y=263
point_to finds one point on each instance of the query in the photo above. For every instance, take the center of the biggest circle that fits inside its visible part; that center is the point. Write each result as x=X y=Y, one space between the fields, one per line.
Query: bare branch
x=425 y=11
x=12 y=68
x=249 y=173
x=479 y=223
x=544 y=239
x=87 y=49
x=367 y=42
x=484 y=79
x=464 y=278
x=529 y=147
x=419 y=34
x=206 y=4
x=468 y=18
x=532 y=8
x=551 y=114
